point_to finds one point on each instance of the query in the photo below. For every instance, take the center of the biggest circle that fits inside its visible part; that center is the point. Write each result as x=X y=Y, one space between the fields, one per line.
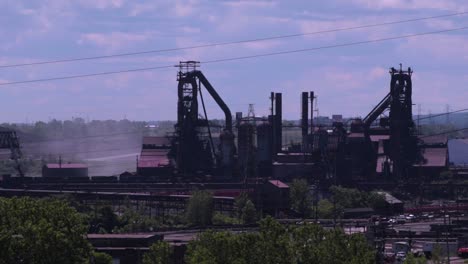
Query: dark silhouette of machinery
x=401 y=149
x=9 y=140
x=193 y=145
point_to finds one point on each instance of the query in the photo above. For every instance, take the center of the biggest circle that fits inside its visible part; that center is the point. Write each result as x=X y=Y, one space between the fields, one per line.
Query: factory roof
x=122 y=236
x=154 y=152
x=390 y=198
x=278 y=184
x=376 y=138
x=151 y=158
x=66 y=166
x=157 y=141
x=152 y=163
x=356 y=135
x=434 y=157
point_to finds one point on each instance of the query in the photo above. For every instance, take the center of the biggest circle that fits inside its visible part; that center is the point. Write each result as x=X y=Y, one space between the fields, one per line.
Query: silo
x=246 y=144
x=264 y=149
x=264 y=142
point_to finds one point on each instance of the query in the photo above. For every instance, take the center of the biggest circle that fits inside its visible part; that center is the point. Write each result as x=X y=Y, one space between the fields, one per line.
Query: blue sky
x=347 y=80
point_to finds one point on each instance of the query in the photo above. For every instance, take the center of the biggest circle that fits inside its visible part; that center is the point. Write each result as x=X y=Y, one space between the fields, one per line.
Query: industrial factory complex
x=383 y=152
x=381 y=149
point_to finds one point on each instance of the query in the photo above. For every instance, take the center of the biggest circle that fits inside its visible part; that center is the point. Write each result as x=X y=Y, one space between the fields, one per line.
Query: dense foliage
x=245 y=209
x=342 y=198
x=339 y=199
x=41 y=231
x=301 y=200
x=106 y=219
x=275 y=243
x=101 y=258
x=159 y=253
x=200 y=208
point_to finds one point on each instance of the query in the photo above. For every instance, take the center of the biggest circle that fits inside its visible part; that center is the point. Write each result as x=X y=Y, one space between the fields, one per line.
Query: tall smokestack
x=279 y=120
x=312 y=112
x=305 y=119
x=272 y=98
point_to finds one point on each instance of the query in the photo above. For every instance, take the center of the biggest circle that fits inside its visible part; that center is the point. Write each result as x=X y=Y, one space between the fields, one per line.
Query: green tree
x=132 y=221
x=301 y=200
x=102 y=258
x=103 y=219
x=411 y=259
x=249 y=213
x=437 y=254
x=313 y=244
x=200 y=208
x=159 y=253
x=376 y=201
x=41 y=231
x=245 y=209
x=325 y=209
x=239 y=203
x=212 y=247
x=351 y=198
x=275 y=243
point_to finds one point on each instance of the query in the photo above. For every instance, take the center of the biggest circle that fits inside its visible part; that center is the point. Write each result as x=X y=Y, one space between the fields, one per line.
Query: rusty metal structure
x=9 y=140
x=383 y=146
x=194 y=148
x=401 y=148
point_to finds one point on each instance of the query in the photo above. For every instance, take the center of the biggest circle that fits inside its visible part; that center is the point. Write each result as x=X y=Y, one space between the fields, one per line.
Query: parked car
x=401 y=220
x=410 y=217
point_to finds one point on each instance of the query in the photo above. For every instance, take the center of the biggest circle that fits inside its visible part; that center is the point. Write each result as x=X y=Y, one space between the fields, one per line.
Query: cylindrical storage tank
x=264 y=142
x=245 y=143
x=227 y=148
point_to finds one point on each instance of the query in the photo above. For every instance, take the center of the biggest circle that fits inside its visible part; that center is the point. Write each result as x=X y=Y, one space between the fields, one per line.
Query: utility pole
x=446 y=234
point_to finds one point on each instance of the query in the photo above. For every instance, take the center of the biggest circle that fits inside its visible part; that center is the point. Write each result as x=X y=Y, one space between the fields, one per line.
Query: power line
x=88 y=75
x=231 y=42
x=242 y=57
x=335 y=46
x=445 y=132
x=443 y=114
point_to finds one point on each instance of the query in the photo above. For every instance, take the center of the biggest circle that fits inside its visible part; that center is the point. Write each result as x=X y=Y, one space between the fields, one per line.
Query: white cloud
x=262 y=45
x=440 y=24
x=185 y=8
x=187 y=29
x=114 y=40
x=141 y=8
x=377 y=73
x=443 y=47
x=413 y=4
x=102 y=4
x=250 y=4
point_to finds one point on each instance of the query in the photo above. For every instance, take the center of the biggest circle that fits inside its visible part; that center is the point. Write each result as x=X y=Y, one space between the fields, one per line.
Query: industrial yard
x=233 y=132
x=420 y=203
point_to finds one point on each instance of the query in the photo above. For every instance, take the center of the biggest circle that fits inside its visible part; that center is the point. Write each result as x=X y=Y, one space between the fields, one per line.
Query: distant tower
x=251 y=112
